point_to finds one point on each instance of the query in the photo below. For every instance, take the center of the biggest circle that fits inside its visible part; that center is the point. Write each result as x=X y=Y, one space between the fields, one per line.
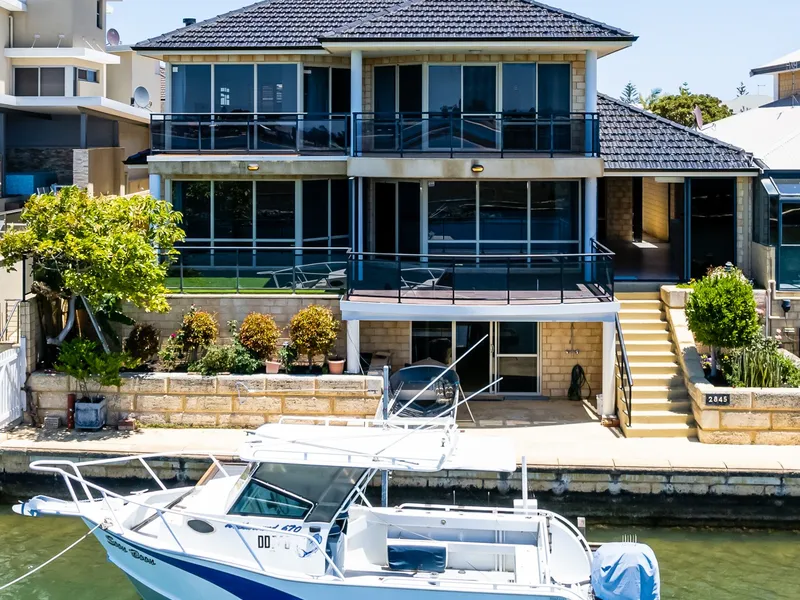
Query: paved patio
x=549 y=433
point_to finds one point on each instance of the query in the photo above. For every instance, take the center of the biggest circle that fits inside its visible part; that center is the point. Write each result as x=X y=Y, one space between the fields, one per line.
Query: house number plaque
x=718 y=399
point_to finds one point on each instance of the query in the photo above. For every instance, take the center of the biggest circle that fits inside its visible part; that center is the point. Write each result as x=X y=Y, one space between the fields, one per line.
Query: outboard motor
x=625 y=571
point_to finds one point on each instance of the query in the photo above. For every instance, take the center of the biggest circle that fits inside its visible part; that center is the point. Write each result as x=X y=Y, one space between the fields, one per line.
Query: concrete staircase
x=660 y=401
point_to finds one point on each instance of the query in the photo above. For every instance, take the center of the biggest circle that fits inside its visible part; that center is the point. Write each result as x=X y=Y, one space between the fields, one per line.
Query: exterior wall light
x=477 y=168
x=252 y=167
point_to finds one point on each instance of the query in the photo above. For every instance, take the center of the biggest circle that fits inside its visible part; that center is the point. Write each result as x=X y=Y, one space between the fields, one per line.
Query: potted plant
x=313 y=331
x=92 y=369
x=336 y=364
x=287 y=356
x=260 y=335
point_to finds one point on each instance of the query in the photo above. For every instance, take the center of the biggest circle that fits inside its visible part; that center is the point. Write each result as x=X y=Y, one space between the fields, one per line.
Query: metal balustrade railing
x=452 y=134
x=625 y=383
x=296 y=133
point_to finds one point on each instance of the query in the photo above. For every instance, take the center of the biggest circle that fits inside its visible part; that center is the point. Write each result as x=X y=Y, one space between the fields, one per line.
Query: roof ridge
x=673 y=124
x=579 y=17
x=199 y=24
x=400 y=5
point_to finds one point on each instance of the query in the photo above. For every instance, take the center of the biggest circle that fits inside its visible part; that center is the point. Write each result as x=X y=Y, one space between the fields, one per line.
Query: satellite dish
x=141 y=97
x=112 y=37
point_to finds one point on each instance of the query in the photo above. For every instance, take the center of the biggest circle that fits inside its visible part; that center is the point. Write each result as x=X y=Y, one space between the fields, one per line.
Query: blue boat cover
x=431 y=559
x=625 y=571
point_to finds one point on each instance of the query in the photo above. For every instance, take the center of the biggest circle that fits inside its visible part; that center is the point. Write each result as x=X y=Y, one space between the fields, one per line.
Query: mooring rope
x=44 y=564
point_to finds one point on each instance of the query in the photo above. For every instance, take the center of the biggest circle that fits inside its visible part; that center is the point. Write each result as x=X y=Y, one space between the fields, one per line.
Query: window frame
x=93 y=72
x=100 y=15
x=67 y=75
x=274 y=489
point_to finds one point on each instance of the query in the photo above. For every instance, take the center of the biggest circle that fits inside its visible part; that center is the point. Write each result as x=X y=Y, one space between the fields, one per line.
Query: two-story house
x=450 y=167
x=66 y=104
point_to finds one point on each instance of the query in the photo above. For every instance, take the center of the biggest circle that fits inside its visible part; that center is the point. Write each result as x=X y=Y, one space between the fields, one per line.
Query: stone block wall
x=229 y=307
x=559 y=343
x=619 y=208
x=744 y=231
x=58 y=160
x=655 y=208
x=394 y=336
x=223 y=401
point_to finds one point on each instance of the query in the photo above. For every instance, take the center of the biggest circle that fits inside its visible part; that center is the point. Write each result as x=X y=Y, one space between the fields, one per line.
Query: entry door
x=475 y=370
x=397 y=218
x=516 y=358
x=712 y=233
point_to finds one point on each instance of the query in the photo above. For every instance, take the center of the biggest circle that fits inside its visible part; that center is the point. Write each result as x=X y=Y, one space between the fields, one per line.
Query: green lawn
x=227 y=285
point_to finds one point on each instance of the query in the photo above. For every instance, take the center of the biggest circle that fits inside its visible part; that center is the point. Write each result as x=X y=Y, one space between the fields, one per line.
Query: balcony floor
x=580 y=295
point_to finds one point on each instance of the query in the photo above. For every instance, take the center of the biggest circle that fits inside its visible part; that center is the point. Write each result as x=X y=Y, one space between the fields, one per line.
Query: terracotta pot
x=336 y=367
x=272 y=367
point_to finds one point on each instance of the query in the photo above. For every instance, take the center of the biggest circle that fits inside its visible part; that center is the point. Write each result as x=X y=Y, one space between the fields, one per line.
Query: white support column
x=609 y=365
x=356 y=92
x=354 y=347
x=589 y=213
x=591 y=101
x=155 y=186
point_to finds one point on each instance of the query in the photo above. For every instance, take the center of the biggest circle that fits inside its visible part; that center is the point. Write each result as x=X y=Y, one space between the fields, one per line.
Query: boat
x=426 y=388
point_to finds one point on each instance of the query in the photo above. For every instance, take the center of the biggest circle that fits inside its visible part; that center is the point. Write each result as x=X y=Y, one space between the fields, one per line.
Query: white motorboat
x=292 y=521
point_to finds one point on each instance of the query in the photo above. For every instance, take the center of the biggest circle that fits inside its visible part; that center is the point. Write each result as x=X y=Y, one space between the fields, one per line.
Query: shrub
x=85 y=361
x=761 y=365
x=143 y=342
x=287 y=356
x=313 y=331
x=721 y=311
x=232 y=358
x=260 y=335
x=199 y=329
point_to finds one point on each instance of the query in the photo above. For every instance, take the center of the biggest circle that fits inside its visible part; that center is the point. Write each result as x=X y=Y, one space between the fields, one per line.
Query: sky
x=711 y=44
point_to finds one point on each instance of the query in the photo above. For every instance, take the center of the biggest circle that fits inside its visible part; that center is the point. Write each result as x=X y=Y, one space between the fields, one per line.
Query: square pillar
x=609 y=367
x=589 y=213
x=354 y=347
x=356 y=93
x=155 y=186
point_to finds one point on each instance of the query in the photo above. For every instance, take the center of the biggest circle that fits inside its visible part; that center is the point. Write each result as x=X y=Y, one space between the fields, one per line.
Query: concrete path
x=573 y=440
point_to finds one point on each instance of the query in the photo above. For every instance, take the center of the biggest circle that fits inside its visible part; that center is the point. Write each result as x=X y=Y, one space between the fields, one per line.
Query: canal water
x=696 y=564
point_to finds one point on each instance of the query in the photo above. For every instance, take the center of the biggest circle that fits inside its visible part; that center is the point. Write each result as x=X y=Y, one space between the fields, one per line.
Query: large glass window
x=432 y=340
x=193 y=200
x=444 y=94
x=340 y=213
x=277 y=88
x=275 y=210
x=519 y=88
x=26 y=81
x=504 y=210
x=480 y=89
x=52 y=81
x=36 y=81
x=385 y=90
x=233 y=88
x=452 y=208
x=316 y=92
x=233 y=210
x=315 y=213
x=555 y=212
x=191 y=88
x=554 y=89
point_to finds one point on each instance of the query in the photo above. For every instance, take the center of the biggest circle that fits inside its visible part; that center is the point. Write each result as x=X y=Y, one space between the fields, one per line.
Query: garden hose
x=576 y=384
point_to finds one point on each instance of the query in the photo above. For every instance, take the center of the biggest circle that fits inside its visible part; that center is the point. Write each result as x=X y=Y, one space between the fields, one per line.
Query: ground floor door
x=509 y=352
x=712 y=224
x=789 y=245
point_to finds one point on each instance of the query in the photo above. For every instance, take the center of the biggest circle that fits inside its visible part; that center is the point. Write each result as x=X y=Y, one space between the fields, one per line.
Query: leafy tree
x=101 y=248
x=647 y=101
x=629 y=94
x=680 y=107
x=721 y=311
x=741 y=90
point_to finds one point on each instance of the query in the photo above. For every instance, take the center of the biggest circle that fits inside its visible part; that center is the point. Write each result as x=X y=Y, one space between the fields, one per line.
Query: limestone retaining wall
x=754 y=415
x=224 y=401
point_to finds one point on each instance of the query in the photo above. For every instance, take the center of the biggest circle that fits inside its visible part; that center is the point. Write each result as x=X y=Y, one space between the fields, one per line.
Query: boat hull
x=161 y=575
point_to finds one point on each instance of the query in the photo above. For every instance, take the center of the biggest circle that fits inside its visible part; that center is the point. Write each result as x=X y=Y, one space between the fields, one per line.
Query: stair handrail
x=624 y=370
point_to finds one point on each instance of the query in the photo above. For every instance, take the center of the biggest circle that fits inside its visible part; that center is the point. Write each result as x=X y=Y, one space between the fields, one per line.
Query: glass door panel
x=474 y=370
x=385 y=108
x=519 y=104
x=789 y=276
x=444 y=102
x=480 y=106
x=385 y=218
x=410 y=105
x=433 y=340
x=517 y=358
x=712 y=225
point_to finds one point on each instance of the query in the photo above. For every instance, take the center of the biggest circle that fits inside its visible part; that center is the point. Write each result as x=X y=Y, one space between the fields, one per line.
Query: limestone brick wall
x=619 y=208
x=655 y=208
x=229 y=307
x=578 y=62
x=223 y=401
x=559 y=343
x=788 y=84
x=744 y=231
x=394 y=336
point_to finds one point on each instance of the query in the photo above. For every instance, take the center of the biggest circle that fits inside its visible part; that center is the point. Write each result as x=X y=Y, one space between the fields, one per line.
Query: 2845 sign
x=718 y=399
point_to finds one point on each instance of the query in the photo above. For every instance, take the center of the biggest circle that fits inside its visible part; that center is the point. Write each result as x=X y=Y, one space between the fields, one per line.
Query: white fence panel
x=12 y=385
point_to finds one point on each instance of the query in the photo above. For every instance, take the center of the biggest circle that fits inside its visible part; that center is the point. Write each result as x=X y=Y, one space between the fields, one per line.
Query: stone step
x=655 y=304
x=638 y=295
x=682 y=405
x=642 y=391
x=642 y=325
x=661 y=417
x=648 y=314
x=654 y=430
x=646 y=335
x=659 y=344
x=646 y=380
x=654 y=368
x=636 y=354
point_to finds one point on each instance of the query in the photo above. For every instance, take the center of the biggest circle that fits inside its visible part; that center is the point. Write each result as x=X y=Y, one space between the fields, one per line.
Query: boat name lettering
x=293 y=528
x=134 y=553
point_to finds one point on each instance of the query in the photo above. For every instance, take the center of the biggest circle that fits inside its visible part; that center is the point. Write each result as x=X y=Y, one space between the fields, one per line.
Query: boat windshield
x=310 y=492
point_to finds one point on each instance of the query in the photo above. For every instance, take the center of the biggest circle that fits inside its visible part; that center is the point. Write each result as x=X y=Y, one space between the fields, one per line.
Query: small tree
x=741 y=90
x=101 y=249
x=680 y=107
x=629 y=94
x=721 y=311
x=313 y=331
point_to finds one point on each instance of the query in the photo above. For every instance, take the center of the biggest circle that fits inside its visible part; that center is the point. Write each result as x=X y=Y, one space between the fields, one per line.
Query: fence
x=12 y=383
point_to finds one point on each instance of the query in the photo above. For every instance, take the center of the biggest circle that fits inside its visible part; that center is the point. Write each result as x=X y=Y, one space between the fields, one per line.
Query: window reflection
x=233 y=210
x=193 y=200
x=191 y=88
x=555 y=210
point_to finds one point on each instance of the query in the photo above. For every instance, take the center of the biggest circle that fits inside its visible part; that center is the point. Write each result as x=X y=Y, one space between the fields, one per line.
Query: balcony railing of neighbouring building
x=294 y=133
x=454 y=134
x=404 y=278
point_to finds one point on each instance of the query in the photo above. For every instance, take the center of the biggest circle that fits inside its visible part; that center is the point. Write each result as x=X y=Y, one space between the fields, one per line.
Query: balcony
x=545 y=279
x=452 y=135
x=284 y=133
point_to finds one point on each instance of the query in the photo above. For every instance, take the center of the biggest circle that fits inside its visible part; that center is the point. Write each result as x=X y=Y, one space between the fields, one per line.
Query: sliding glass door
x=462 y=100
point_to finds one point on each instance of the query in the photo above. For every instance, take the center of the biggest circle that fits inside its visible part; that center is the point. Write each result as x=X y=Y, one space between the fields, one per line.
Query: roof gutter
x=790 y=66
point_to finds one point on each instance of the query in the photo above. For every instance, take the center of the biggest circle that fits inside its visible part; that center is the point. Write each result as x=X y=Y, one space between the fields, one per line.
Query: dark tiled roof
x=475 y=20
x=302 y=23
x=632 y=139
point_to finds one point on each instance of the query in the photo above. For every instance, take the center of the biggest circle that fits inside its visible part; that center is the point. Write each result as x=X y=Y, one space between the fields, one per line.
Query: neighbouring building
x=449 y=168
x=66 y=101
